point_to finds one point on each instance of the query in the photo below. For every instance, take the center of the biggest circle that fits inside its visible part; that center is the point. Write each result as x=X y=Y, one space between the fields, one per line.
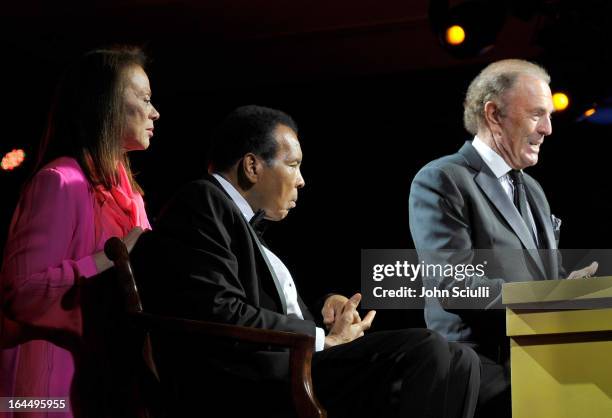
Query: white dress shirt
x=501 y=170
x=282 y=272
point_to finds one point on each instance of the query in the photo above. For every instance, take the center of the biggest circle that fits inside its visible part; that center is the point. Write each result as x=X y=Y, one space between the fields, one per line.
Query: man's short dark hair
x=247 y=129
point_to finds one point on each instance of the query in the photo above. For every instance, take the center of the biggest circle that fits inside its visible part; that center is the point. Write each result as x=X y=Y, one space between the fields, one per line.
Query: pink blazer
x=50 y=245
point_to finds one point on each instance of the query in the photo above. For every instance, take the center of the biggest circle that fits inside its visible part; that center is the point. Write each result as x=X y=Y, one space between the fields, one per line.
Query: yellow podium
x=560 y=347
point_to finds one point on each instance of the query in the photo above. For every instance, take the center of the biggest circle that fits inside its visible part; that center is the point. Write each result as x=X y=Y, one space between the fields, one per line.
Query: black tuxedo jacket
x=203 y=261
x=457 y=203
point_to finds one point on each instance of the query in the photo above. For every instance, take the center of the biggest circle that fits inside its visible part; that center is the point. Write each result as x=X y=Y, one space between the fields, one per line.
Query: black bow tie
x=259 y=223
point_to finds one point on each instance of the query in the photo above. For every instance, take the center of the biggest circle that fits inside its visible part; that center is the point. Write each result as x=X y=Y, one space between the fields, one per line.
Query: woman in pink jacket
x=82 y=193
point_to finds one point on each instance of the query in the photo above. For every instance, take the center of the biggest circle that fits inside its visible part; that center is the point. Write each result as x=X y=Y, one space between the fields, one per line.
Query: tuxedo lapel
x=277 y=285
x=490 y=186
x=305 y=311
x=259 y=248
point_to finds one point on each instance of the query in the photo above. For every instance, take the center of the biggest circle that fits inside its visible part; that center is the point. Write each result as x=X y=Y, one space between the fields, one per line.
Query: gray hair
x=491 y=84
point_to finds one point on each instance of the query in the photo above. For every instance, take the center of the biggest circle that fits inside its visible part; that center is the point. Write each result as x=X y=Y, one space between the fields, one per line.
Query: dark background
x=374 y=93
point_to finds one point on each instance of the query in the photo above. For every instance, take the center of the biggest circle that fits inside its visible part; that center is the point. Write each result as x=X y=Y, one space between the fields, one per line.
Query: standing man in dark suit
x=215 y=266
x=480 y=199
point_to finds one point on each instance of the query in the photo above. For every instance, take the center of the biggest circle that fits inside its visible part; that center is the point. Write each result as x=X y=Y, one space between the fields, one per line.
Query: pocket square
x=556 y=223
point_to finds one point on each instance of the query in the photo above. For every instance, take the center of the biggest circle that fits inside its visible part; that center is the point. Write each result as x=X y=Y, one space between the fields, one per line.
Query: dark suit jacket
x=202 y=261
x=457 y=203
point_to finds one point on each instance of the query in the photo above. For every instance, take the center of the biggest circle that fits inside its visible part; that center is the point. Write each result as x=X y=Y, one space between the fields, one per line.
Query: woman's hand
x=131 y=238
x=103 y=263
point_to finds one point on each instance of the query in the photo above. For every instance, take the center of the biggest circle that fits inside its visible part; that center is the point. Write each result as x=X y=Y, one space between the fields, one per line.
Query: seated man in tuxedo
x=205 y=260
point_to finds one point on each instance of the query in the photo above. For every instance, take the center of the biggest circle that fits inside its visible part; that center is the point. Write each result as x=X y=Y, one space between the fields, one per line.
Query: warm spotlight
x=589 y=112
x=12 y=159
x=560 y=101
x=455 y=35
x=467 y=28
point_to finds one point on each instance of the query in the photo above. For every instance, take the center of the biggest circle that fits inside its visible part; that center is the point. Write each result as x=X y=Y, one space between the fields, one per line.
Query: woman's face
x=139 y=111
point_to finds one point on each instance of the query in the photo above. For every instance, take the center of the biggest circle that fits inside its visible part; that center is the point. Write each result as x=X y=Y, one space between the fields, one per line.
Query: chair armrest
x=244 y=334
x=300 y=346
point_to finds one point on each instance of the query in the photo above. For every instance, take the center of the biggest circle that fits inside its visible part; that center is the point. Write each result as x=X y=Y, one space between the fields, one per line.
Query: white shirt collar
x=238 y=199
x=495 y=161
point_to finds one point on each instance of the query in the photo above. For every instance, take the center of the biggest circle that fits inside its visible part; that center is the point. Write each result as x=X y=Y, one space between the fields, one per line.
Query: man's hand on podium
x=584 y=273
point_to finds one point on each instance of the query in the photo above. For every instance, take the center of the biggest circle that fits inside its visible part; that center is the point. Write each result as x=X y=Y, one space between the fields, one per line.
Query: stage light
x=598 y=113
x=560 y=101
x=455 y=35
x=12 y=159
x=600 y=116
x=467 y=28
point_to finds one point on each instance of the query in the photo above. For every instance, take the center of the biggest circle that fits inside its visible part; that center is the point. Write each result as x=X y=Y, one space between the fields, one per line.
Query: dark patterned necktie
x=520 y=200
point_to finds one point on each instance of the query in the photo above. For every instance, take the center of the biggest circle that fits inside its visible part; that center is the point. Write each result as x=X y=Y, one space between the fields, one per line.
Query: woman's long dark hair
x=86 y=118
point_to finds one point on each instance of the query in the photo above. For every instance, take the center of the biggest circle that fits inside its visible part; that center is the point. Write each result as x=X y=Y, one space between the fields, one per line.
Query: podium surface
x=560 y=347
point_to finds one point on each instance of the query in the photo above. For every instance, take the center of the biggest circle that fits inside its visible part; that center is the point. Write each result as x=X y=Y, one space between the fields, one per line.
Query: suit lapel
x=550 y=244
x=536 y=204
x=493 y=190
x=490 y=186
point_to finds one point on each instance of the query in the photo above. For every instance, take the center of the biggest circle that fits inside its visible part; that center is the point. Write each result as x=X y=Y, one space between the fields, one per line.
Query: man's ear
x=492 y=113
x=251 y=167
